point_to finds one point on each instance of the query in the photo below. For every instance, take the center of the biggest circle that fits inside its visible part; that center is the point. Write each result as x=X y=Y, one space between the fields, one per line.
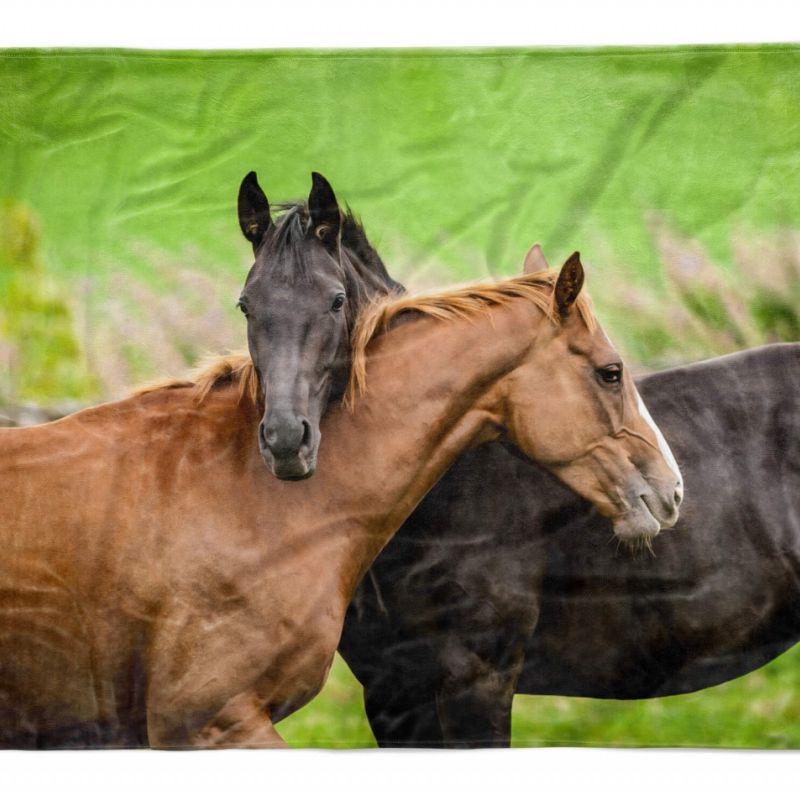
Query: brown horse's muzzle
x=641 y=493
x=650 y=507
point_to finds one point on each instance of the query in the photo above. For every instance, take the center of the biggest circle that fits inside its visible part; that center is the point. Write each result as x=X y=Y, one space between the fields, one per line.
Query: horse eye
x=243 y=307
x=338 y=302
x=610 y=374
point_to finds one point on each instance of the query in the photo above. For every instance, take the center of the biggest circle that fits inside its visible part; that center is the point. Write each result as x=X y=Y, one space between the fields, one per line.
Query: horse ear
x=535 y=261
x=326 y=219
x=254 y=218
x=569 y=283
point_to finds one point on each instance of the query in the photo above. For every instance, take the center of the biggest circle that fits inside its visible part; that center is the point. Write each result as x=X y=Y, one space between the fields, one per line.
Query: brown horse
x=159 y=586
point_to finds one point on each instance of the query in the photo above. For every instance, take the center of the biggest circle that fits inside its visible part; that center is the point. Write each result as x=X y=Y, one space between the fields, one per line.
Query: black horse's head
x=313 y=270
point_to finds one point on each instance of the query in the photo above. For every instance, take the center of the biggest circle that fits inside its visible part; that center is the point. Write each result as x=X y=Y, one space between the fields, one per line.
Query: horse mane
x=354 y=239
x=214 y=373
x=375 y=319
x=291 y=228
x=462 y=302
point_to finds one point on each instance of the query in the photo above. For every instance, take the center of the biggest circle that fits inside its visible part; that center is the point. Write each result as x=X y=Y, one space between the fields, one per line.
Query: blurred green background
x=676 y=173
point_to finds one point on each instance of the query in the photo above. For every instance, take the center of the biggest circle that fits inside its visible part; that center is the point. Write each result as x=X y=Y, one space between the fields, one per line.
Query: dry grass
x=700 y=308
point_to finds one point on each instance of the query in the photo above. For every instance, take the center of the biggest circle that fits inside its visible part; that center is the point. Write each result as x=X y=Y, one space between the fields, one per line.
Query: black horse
x=504 y=582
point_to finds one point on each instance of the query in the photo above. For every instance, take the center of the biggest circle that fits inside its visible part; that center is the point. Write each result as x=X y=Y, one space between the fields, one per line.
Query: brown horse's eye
x=240 y=305
x=338 y=302
x=610 y=374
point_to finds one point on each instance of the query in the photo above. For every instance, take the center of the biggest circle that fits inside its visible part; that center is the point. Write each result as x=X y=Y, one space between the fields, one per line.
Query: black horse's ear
x=254 y=218
x=326 y=219
x=569 y=283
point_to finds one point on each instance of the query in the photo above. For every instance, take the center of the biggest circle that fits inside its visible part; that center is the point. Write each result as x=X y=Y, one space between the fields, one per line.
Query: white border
x=398 y=23
x=231 y=24
x=402 y=775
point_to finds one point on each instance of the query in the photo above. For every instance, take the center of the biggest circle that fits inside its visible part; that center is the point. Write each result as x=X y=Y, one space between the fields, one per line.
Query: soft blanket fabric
x=125 y=187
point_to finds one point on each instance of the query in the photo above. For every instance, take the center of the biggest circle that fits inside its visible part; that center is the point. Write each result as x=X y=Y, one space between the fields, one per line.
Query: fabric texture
x=673 y=172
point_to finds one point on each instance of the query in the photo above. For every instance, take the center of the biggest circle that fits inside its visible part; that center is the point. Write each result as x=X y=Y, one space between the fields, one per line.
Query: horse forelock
x=282 y=256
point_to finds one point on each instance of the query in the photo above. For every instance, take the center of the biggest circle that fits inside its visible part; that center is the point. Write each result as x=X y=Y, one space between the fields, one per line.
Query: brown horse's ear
x=535 y=261
x=569 y=283
x=254 y=218
x=326 y=219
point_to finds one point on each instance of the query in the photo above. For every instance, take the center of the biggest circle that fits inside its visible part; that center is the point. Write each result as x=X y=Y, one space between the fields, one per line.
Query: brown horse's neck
x=433 y=390
x=431 y=393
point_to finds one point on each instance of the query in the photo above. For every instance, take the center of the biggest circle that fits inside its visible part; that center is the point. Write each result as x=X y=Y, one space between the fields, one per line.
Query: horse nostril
x=678 y=497
x=306 y=440
x=286 y=437
x=262 y=436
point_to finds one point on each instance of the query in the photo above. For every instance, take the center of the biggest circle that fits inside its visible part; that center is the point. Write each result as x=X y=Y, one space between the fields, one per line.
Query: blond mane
x=214 y=372
x=461 y=302
x=376 y=318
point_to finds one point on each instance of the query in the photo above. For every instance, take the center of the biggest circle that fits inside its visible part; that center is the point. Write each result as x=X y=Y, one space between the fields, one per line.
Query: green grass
x=759 y=710
x=457 y=161
x=451 y=154
x=335 y=718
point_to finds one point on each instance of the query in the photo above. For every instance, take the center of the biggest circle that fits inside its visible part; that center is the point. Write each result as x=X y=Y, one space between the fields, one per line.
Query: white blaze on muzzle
x=662 y=442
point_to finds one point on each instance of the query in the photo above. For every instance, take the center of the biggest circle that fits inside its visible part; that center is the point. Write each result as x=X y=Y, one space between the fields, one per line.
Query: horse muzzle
x=297 y=469
x=288 y=447
x=649 y=510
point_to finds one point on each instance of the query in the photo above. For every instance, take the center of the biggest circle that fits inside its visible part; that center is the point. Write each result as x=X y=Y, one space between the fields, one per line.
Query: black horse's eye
x=338 y=302
x=243 y=307
x=610 y=374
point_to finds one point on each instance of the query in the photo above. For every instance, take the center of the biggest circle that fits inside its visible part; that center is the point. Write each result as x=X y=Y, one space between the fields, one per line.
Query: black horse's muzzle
x=288 y=445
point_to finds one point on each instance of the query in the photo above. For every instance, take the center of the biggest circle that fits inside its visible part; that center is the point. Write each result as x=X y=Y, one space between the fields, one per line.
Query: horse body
x=159 y=585
x=173 y=576
x=129 y=559
x=503 y=581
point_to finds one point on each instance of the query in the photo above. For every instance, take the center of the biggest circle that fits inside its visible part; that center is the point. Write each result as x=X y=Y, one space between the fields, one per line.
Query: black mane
x=287 y=261
x=354 y=240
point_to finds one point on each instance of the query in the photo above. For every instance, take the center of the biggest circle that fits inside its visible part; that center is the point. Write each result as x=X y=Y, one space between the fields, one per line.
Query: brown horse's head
x=313 y=270
x=600 y=439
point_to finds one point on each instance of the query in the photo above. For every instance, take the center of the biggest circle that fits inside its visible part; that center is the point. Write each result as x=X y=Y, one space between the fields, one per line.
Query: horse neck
x=432 y=392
